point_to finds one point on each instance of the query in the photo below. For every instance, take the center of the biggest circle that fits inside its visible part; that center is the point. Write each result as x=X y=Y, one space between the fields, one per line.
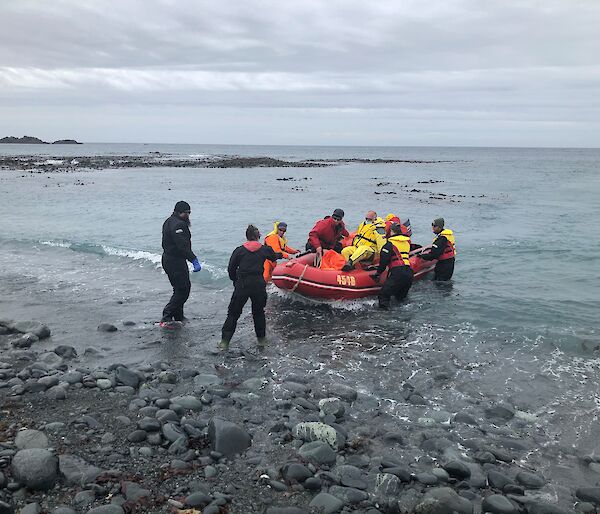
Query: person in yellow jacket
x=395 y=257
x=367 y=242
x=277 y=240
x=443 y=249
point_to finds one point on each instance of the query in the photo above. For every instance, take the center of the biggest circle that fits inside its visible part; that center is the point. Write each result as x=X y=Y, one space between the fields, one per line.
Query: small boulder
x=35 y=468
x=107 y=327
x=498 y=504
x=127 y=377
x=317 y=452
x=589 y=494
x=530 y=480
x=316 y=431
x=31 y=439
x=327 y=503
x=32 y=327
x=443 y=500
x=227 y=438
x=76 y=470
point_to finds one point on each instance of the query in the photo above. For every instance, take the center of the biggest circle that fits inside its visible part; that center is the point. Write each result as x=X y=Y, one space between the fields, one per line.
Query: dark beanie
x=182 y=206
x=438 y=222
x=338 y=213
x=282 y=224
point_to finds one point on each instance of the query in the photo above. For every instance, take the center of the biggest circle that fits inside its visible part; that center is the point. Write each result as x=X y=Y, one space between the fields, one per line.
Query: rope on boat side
x=300 y=278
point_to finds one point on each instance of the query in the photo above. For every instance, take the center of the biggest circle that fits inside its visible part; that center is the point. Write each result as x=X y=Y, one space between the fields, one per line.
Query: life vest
x=273 y=238
x=450 y=250
x=369 y=234
x=401 y=249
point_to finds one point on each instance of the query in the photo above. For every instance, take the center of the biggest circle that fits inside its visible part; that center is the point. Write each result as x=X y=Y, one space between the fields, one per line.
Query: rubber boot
x=348 y=266
x=224 y=345
x=261 y=342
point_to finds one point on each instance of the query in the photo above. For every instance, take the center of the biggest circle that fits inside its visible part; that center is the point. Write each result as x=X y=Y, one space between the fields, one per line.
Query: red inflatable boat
x=301 y=276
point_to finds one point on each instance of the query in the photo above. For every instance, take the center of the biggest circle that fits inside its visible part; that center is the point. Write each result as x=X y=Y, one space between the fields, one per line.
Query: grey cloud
x=437 y=67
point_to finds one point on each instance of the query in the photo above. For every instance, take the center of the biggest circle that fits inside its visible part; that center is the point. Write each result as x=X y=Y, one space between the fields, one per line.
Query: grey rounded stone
x=57 y=392
x=443 y=500
x=204 y=380
x=137 y=436
x=149 y=425
x=76 y=470
x=498 y=480
x=198 y=499
x=48 y=381
x=328 y=503
x=107 y=327
x=35 y=468
x=589 y=494
x=31 y=508
x=294 y=471
x=498 y=504
x=227 y=438
x=127 y=377
x=317 y=452
x=530 y=480
x=66 y=352
x=188 y=402
x=31 y=439
x=332 y=406
x=457 y=469
x=34 y=327
x=173 y=432
x=343 y=391
x=350 y=476
x=104 y=383
x=72 y=377
x=427 y=478
x=166 y=415
x=349 y=495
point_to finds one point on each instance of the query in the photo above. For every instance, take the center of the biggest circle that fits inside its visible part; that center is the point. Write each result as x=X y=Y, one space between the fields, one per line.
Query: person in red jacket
x=392 y=218
x=326 y=233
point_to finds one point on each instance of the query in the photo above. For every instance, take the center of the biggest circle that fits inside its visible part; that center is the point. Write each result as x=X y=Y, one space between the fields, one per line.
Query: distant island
x=30 y=140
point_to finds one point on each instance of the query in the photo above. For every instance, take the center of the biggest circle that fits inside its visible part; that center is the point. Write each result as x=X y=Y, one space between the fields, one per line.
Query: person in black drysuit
x=443 y=250
x=394 y=254
x=246 y=267
x=177 y=250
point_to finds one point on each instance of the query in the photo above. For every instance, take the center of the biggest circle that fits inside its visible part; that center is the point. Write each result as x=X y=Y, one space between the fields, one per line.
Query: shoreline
x=236 y=433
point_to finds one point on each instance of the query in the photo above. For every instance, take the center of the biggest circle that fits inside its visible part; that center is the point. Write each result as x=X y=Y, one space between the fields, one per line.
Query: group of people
x=382 y=243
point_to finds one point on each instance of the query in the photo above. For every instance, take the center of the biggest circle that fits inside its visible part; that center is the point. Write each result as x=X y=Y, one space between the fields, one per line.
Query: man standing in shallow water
x=177 y=250
x=246 y=268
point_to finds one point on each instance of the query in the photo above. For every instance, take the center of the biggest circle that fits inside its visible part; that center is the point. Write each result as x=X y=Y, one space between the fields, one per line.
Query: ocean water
x=517 y=323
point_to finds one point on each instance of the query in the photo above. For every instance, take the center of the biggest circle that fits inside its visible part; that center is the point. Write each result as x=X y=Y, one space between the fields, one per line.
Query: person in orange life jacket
x=278 y=242
x=326 y=233
x=177 y=249
x=394 y=255
x=246 y=268
x=443 y=250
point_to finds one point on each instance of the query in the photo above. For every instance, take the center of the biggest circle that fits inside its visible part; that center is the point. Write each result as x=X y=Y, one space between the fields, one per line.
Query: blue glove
x=196 y=265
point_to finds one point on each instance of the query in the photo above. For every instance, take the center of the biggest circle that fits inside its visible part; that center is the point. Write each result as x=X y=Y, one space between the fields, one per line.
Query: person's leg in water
x=179 y=277
x=234 y=311
x=258 y=296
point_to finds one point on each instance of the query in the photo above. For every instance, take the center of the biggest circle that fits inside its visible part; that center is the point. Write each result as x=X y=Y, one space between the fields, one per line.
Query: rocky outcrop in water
x=25 y=140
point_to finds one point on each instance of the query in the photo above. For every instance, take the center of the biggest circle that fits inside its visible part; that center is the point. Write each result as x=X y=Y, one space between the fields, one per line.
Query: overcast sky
x=329 y=72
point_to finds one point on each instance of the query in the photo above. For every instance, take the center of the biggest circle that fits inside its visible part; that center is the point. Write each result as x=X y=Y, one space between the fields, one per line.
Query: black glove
x=375 y=276
x=279 y=255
